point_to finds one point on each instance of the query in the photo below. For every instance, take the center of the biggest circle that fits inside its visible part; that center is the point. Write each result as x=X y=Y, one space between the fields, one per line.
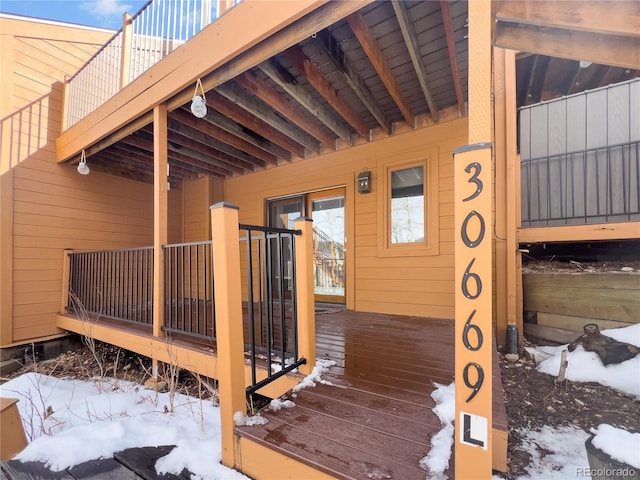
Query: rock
x=626 y=269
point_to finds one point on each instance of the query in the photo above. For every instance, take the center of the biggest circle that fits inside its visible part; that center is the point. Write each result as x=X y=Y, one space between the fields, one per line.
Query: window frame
x=431 y=243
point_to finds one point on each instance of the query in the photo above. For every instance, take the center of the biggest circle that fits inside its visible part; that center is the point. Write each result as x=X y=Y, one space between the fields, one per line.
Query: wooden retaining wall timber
x=562 y=303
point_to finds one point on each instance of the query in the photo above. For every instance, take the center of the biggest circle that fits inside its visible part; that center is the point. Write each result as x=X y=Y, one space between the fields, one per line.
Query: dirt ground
x=535 y=399
x=532 y=399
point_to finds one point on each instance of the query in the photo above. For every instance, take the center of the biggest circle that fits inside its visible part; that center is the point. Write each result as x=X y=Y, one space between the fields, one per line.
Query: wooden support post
x=66 y=272
x=473 y=311
x=160 y=206
x=305 y=294
x=473 y=187
x=229 y=335
x=125 y=58
x=64 y=121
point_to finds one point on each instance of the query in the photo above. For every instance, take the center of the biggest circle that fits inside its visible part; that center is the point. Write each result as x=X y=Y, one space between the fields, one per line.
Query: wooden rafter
x=184 y=144
x=451 y=48
x=409 y=35
x=262 y=111
x=211 y=166
x=244 y=159
x=344 y=67
x=376 y=57
x=615 y=50
x=253 y=138
x=241 y=116
x=282 y=78
x=221 y=135
x=250 y=82
x=595 y=16
x=145 y=160
x=326 y=91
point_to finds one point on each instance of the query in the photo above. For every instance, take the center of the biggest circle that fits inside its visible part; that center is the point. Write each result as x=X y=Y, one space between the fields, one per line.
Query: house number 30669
x=471 y=284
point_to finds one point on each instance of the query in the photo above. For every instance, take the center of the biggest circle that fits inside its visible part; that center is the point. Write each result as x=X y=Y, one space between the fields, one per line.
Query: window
x=407 y=205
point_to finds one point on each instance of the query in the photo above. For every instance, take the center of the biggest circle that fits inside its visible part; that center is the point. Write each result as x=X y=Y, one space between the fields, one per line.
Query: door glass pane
x=407 y=205
x=328 y=245
x=282 y=214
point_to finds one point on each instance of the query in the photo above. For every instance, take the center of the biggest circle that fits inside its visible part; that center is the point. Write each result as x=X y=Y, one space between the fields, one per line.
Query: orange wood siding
x=52 y=206
x=410 y=285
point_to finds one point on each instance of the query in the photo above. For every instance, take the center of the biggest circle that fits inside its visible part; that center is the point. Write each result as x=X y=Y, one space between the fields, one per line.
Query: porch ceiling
x=389 y=66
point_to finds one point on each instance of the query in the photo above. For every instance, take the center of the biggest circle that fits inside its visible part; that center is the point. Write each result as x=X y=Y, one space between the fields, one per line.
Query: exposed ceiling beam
x=344 y=67
x=315 y=78
x=245 y=134
x=183 y=144
x=262 y=111
x=146 y=144
x=106 y=162
x=282 y=78
x=409 y=34
x=601 y=17
x=241 y=116
x=603 y=49
x=222 y=135
x=271 y=97
x=376 y=57
x=245 y=160
x=147 y=160
x=451 y=47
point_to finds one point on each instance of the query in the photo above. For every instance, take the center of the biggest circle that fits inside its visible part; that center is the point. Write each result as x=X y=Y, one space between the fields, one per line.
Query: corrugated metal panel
x=580 y=157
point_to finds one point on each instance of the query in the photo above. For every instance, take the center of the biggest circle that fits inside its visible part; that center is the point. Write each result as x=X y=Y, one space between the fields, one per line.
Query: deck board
x=376 y=420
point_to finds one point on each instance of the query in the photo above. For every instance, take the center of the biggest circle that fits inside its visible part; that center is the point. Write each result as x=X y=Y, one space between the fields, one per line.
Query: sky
x=94 y=13
x=69 y=422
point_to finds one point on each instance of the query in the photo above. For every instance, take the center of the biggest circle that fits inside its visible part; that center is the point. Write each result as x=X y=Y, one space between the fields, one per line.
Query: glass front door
x=326 y=208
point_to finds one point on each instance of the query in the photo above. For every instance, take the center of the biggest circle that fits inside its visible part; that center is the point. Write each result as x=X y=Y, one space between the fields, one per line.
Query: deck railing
x=594 y=185
x=189 y=289
x=272 y=335
x=159 y=28
x=112 y=283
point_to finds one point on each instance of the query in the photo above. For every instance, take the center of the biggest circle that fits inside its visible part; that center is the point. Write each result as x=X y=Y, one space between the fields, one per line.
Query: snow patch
x=437 y=460
x=276 y=404
x=322 y=366
x=619 y=444
x=244 y=421
x=556 y=454
x=587 y=367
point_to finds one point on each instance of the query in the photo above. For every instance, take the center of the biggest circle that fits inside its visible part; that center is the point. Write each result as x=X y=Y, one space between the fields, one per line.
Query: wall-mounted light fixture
x=364 y=182
x=585 y=63
x=83 y=168
x=199 y=103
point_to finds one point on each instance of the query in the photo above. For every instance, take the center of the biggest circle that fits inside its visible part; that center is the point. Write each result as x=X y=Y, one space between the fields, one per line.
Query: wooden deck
x=376 y=419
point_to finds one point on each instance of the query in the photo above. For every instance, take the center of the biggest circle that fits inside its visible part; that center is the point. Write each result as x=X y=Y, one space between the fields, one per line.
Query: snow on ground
x=586 y=366
x=69 y=422
x=568 y=457
x=437 y=460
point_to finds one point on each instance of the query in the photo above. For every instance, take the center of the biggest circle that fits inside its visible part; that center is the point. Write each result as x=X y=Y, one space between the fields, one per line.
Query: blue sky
x=96 y=13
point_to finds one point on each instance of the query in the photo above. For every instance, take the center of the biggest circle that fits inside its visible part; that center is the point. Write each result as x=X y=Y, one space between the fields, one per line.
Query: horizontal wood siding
x=53 y=207
x=408 y=285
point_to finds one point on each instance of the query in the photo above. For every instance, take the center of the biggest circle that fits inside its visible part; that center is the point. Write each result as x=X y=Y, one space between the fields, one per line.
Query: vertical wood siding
x=409 y=285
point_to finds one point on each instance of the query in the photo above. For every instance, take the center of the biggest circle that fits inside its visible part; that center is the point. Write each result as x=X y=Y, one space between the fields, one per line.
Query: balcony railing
x=113 y=284
x=272 y=313
x=189 y=289
x=595 y=185
x=159 y=28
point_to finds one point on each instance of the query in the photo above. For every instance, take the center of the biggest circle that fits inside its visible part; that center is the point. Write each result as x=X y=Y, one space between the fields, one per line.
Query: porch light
x=199 y=103
x=585 y=63
x=83 y=168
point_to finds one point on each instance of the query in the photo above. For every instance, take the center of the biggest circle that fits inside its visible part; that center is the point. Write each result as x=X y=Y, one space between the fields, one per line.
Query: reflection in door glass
x=328 y=245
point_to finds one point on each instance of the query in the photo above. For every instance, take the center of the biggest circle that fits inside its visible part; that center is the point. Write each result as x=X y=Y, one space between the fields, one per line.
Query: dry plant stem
x=80 y=311
x=563 y=366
